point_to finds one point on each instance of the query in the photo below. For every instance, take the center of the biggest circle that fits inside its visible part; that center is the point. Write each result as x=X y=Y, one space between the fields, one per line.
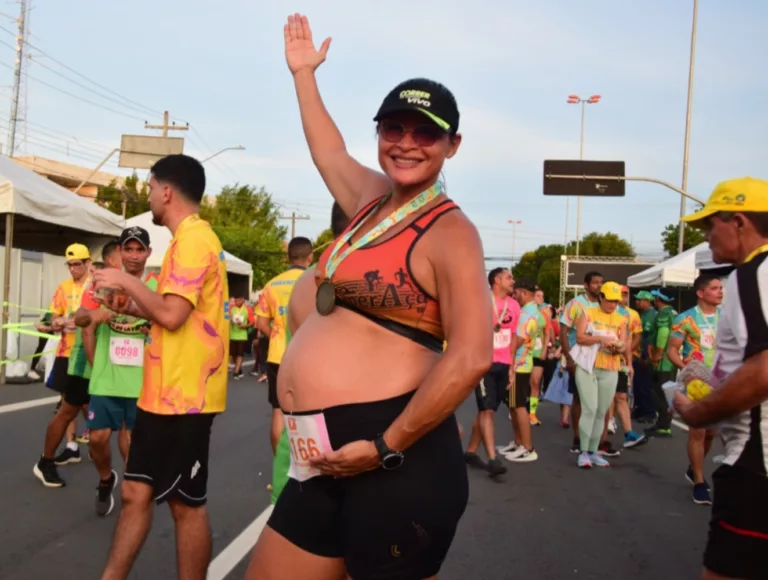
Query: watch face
x=392 y=461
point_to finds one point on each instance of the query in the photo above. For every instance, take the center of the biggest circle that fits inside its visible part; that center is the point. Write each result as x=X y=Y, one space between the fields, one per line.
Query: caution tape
x=27 y=357
x=21 y=328
x=22 y=307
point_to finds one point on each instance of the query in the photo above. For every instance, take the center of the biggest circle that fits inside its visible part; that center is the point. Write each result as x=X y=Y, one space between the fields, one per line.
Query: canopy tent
x=41 y=216
x=240 y=272
x=679 y=270
x=705 y=262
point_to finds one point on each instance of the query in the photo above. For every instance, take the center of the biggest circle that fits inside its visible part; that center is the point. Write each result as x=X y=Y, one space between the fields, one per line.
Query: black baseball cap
x=134 y=233
x=424 y=96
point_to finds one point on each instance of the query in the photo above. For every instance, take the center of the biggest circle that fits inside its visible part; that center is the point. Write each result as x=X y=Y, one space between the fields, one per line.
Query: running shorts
x=105 y=412
x=384 y=524
x=492 y=389
x=58 y=377
x=272 y=370
x=280 y=465
x=738 y=530
x=623 y=385
x=518 y=394
x=236 y=348
x=572 y=388
x=538 y=362
x=170 y=454
x=76 y=391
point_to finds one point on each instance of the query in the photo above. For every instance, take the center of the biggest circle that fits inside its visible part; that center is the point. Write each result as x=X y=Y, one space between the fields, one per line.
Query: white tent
x=41 y=220
x=679 y=270
x=704 y=261
x=160 y=237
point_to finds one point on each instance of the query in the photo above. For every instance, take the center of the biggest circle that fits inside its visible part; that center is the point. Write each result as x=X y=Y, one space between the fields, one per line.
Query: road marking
x=49 y=400
x=238 y=549
x=29 y=404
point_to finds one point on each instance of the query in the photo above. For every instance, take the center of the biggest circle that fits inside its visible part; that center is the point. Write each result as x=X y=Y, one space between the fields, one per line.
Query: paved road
x=544 y=520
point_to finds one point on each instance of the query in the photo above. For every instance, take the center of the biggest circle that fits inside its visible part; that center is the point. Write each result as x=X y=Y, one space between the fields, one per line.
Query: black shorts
x=623 y=385
x=76 y=391
x=738 y=531
x=272 y=370
x=492 y=389
x=518 y=394
x=58 y=378
x=538 y=362
x=170 y=453
x=385 y=524
x=236 y=348
x=572 y=388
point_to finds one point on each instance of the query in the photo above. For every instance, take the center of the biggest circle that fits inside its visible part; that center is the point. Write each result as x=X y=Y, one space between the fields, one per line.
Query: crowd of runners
x=372 y=346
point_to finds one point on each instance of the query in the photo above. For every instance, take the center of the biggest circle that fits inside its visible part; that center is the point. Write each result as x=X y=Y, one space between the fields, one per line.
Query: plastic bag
x=557 y=391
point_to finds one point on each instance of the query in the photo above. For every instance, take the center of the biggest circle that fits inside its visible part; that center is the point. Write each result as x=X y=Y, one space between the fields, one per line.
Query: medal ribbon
x=388 y=222
x=762 y=249
x=503 y=312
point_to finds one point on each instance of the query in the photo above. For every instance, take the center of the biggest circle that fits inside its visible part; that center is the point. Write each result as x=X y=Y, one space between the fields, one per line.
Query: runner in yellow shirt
x=272 y=321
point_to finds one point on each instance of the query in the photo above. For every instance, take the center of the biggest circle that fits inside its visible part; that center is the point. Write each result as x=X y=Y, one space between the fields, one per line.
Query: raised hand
x=300 y=51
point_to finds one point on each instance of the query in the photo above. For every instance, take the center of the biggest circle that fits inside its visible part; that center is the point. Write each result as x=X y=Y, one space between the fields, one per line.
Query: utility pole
x=165 y=127
x=686 y=147
x=17 y=78
x=293 y=217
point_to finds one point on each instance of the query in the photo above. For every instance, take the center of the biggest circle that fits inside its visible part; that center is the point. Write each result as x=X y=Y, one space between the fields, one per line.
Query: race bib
x=539 y=344
x=502 y=338
x=707 y=339
x=127 y=352
x=308 y=437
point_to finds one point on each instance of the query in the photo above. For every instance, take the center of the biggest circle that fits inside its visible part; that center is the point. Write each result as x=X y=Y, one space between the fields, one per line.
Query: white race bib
x=707 y=339
x=502 y=338
x=308 y=437
x=127 y=352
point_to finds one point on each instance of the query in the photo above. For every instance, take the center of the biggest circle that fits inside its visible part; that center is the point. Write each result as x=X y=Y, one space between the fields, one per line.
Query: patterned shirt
x=527 y=329
x=697 y=331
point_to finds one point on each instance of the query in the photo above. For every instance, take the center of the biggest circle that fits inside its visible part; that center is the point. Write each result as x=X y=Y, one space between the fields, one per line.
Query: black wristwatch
x=389 y=459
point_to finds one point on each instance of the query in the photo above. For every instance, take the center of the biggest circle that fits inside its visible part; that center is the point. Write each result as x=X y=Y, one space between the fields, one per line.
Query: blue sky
x=511 y=65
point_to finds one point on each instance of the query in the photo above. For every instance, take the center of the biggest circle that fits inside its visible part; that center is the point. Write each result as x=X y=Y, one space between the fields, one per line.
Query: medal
x=496 y=327
x=499 y=319
x=325 y=299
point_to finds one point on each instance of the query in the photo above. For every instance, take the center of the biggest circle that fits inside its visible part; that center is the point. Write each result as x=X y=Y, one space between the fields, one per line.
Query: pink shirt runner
x=502 y=340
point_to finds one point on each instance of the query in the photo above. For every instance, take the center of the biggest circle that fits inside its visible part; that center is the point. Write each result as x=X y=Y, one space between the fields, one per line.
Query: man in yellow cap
x=736 y=221
x=74 y=390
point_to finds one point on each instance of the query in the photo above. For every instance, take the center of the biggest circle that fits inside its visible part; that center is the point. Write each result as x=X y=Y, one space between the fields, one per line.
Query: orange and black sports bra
x=376 y=281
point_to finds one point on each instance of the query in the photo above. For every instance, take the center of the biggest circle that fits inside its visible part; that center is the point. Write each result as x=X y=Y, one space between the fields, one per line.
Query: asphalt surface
x=543 y=520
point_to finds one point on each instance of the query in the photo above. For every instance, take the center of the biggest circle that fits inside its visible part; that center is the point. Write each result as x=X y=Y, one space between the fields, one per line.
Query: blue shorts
x=111 y=412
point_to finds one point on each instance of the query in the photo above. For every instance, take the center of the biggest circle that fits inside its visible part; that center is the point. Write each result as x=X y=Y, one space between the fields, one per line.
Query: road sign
x=142 y=151
x=584 y=178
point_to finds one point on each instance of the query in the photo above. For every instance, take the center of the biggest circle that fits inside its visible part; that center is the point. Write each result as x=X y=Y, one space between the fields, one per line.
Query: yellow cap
x=77 y=252
x=735 y=195
x=611 y=291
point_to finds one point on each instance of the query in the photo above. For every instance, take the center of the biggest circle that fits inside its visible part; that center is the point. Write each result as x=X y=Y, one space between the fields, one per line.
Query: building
x=70 y=176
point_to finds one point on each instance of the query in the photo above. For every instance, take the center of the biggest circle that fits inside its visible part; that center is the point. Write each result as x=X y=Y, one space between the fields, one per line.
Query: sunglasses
x=423 y=135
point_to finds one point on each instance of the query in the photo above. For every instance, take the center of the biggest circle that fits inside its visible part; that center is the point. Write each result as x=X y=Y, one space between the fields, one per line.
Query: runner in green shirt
x=240 y=320
x=114 y=345
x=664 y=369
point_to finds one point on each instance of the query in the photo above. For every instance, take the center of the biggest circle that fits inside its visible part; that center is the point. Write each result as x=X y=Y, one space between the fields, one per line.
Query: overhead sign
x=616 y=271
x=143 y=151
x=584 y=178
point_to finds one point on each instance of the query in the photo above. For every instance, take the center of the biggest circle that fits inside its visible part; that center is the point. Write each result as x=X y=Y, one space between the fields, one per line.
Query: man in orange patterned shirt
x=185 y=373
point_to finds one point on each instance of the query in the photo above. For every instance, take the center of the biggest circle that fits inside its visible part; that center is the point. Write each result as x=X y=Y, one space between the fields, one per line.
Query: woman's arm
x=582 y=337
x=351 y=184
x=464 y=304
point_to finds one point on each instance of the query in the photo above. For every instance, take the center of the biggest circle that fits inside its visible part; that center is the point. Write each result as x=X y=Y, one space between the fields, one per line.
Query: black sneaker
x=68 y=456
x=237 y=376
x=689 y=478
x=45 y=470
x=473 y=460
x=607 y=450
x=105 y=501
x=495 y=467
x=576 y=447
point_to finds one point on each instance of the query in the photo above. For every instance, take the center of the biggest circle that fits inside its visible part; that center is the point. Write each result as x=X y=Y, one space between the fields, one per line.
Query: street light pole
x=235 y=148
x=576 y=100
x=686 y=147
x=514 y=223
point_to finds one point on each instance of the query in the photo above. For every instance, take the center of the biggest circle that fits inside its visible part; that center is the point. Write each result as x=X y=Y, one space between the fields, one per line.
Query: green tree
x=543 y=264
x=247 y=222
x=322 y=241
x=136 y=198
x=669 y=238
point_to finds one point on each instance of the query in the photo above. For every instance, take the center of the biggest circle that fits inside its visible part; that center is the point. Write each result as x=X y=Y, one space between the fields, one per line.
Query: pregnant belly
x=344 y=358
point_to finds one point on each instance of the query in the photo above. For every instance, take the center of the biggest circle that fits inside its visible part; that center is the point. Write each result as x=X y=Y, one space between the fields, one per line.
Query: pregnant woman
x=378 y=480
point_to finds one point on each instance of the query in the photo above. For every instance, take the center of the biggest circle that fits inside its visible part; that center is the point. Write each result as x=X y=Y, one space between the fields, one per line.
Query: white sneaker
x=597 y=460
x=33 y=375
x=612 y=426
x=584 y=460
x=513 y=455
x=504 y=449
x=524 y=457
